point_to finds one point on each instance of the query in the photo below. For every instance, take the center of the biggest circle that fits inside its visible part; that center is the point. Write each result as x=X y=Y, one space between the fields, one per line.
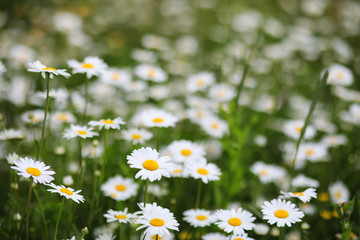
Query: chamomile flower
x=222 y=92
x=119 y=188
x=119 y=216
x=116 y=77
x=214 y=236
x=214 y=126
x=267 y=172
x=200 y=169
x=157 y=221
x=151 y=73
x=304 y=196
x=92 y=66
x=62 y=117
x=184 y=150
x=281 y=212
x=33 y=117
x=12 y=157
x=334 y=140
x=11 y=134
x=37 y=66
x=151 y=166
x=313 y=152
x=27 y=167
x=199 y=81
x=235 y=221
x=243 y=236
x=303 y=181
x=67 y=192
x=108 y=123
x=79 y=131
x=293 y=128
x=199 y=217
x=136 y=135
x=340 y=75
x=157 y=118
x=339 y=193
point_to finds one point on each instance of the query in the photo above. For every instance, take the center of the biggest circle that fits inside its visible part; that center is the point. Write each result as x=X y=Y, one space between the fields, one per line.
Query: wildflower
x=157 y=221
x=281 y=212
x=119 y=188
x=79 y=131
x=199 y=81
x=214 y=126
x=293 y=128
x=92 y=66
x=11 y=158
x=235 y=221
x=214 y=236
x=184 y=150
x=304 y=196
x=136 y=135
x=37 y=66
x=307 y=208
x=157 y=118
x=119 y=216
x=261 y=229
x=267 y=172
x=339 y=193
x=108 y=123
x=151 y=166
x=33 y=117
x=313 y=152
x=116 y=77
x=334 y=140
x=243 y=236
x=67 y=192
x=200 y=169
x=339 y=75
x=222 y=92
x=68 y=180
x=199 y=217
x=11 y=134
x=27 y=167
x=303 y=181
x=152 y=73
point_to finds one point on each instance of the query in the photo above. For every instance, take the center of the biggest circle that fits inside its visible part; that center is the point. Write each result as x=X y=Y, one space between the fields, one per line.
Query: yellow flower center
x=48 y=69
x=120 y=216
x=281 y=213
x=338 y=194
x=238 y=239
x=200 y=82
x=234 y=221
x=215 y=125
x=114 y=195
x=136 y=136
x=82 y=132
x=186 y=152
x=66 y=191
x=33 y=171
x=203 y=171
x=177 y=170
x=339 y=75
x=87 y=65
x=108 y=121
x=115 y=76
x=323 y=197
x=263 y=172
x=120 y=187
x=62 y=117
x=201 y=217
x=157 y=222
x=150 y=165
x=325 y=214
x=151 y=73
x=309 y=152
x=158 y=120
x=298 y=194
x=154 y=237
x=298 y=129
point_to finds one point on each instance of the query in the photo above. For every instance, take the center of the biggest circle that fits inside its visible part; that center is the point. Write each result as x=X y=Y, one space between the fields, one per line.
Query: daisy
x=153 y=237
x=184 y=150
x=243 y=236
x=293 y=128
x=62 y=117
x=67 y=192
x=200 y=169
x=157 y=221
x=214 y=126
x=12 y=157
x=267 y=172
x=334 y=140
x=222 y=92
x=235 y=221
x=108 y=123
x=339 y=193
x=179 y=171
x=151 y=166
x=304 y=196
x=92 y=66
x=157 y=118
x=11 y=134
x=155 y=42
x=119 y=216
x=79 y=131
x=214 y=236
x=119 y=188
x=116 y=77
x=33 y=117
x=340 y=75
x=27 y=167
x=313 y=152
x=199 y=217
x=149 y=72
x=281 y=212
x=37 y=66
x=136 y=135
x=199 y=81
x=303 y=181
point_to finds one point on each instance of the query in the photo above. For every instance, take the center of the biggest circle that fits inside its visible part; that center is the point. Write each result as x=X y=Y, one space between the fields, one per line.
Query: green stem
x=86 y=99
x=80 y=163
x=198 y=195
x=120 y=232
x=44 y=121
x=282 y=233
x=102 y=176
x=42 y=212
x=58 y=218
x=145 y=194
x=28 y=209
x=157 y=236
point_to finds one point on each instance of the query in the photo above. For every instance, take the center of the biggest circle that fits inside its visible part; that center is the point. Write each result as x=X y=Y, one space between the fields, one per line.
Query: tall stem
x=58 y=218
x=120 y=232
x=157 y=236
x=145 y=194
x=42 y=213
x=28 y=209
x=45 y=115
x=80 y=163
x=86 y=93
x=104 y=157
x=198 y=195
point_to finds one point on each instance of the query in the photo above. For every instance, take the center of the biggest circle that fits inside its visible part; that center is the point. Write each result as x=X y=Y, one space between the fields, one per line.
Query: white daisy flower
x=334 y=140
x=214 y=126
x=281 y=212
x=119 y=188
x=179 y=171
x=105 y=236
x=340 y=75
x=339 y=193
x=200 y=169
x=136 y=135
x=37 y=66
x=235 y=221
x=108 y=123
x=62 y=117
x=303 y=181
x=267 y=172
x=157 y=118
x=243 y=236
x=184 y=150
x=313 y=152
x=143 y=56
x=116 y=77
x=119 y=216
x=151 y=166
x=33 y=117
x=199 y=217
x=199 y=81
x=92 y=66
x=222 y=92
x=214 y=236
x=12 y=157
x=153 y=237
x=27 y=167
x=304 y=196
x=196 y=115
x=151 y=73
x=157 y=221
x=67 y=192
x=79 y=131
x=11 y=134
x=293 y=128
x=155 y=42
x=261 y=229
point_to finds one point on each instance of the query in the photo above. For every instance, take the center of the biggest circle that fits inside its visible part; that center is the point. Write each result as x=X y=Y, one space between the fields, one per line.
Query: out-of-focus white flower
x=340 y=75
x=339 y=193
x=92 y=66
